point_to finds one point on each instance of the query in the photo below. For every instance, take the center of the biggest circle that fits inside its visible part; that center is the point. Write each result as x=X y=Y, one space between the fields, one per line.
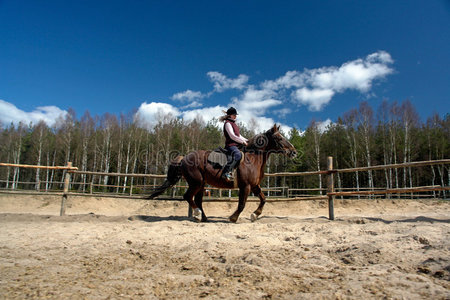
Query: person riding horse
x=232 y=140
x=193 y=167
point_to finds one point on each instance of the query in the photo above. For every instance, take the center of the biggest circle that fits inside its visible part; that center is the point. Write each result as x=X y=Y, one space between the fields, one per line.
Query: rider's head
x=232 y=112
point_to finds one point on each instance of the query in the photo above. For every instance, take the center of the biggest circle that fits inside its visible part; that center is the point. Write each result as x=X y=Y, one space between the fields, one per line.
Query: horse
x=197 y=171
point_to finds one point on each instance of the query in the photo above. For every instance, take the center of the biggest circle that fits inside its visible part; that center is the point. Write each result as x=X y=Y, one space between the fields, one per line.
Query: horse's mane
x=254 y=143
x=260 y=141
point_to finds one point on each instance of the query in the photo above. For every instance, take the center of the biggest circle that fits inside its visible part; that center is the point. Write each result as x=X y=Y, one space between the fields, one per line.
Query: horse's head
x=278 y=143
x=273 y=141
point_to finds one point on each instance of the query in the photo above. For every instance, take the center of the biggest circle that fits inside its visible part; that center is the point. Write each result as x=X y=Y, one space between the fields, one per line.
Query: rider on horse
x=232 y=140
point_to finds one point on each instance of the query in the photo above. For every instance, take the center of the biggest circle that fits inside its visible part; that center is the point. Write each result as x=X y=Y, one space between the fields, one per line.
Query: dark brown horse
x=195 y=168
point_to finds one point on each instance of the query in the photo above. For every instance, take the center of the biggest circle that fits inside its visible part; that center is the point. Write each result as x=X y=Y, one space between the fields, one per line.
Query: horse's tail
x=173 y=176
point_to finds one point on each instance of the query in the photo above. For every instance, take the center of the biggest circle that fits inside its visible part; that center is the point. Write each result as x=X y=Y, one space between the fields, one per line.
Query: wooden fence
x=329 y=173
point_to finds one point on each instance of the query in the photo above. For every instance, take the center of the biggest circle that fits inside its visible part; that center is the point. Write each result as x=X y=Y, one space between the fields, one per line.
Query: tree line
x=392 y=133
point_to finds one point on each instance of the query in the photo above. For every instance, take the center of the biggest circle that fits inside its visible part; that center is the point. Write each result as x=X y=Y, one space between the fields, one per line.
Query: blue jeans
x=235 y=153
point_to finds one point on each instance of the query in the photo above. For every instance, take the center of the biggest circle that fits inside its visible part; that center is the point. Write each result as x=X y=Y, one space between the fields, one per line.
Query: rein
x=255 y=148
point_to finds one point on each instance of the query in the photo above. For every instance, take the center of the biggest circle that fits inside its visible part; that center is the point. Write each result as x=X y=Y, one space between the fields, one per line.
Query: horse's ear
x=274 y=128
x=278 y=129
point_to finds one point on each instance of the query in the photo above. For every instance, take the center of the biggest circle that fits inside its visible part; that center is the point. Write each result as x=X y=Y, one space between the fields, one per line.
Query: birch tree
x=108 y=123
x=122 y=128
x=313 y=137
x=383 y=133
x=393 y=133
x=17 y=152
x=38 y=137
x=431 y=131
x=87 y=132
x=410 y=118
x=351 y=123
x=365 y=114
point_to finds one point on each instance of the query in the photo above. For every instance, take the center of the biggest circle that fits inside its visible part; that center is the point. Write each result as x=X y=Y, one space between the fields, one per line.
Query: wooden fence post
x=330 y=188
x=66 y=190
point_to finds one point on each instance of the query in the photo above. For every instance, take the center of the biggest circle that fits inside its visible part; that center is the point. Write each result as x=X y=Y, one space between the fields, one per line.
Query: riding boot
x=227 y=172
x=233 y=164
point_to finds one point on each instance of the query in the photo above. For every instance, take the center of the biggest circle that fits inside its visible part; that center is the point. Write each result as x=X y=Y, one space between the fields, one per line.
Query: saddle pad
x=217 y=159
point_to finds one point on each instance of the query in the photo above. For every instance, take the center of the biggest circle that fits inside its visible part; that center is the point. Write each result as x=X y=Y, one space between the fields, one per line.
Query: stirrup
x=228 y=176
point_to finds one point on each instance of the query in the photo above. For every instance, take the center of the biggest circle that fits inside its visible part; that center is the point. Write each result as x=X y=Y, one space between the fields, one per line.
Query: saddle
x=218 y=157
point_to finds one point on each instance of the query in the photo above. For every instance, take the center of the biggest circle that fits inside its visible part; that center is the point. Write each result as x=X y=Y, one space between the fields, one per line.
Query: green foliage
x=298 y=141
x=107 y=143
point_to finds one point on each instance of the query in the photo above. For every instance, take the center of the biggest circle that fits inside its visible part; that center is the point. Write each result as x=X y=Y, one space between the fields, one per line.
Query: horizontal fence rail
x=118 y=174
x=396 y=166
x=393 y=191
x=329 y=192
x=379 y=167
x=38 y=167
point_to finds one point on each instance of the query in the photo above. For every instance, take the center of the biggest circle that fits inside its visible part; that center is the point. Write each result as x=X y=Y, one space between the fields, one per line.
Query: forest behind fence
x=362 y=137
x=330 y=172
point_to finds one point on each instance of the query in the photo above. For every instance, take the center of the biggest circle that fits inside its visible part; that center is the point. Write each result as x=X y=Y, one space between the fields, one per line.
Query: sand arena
x=134 y=249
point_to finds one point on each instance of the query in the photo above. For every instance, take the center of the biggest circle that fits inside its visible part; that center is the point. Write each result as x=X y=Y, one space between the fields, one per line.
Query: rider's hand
x=244 y=143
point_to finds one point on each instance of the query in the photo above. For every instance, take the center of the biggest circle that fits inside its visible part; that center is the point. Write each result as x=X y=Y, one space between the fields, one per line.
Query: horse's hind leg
x=258 y=192
x=199 y=203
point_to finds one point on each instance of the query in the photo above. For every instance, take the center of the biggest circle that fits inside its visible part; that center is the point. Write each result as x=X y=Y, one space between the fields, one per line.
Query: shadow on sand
x=242 y=220
x=411 y=220
x=151 y=219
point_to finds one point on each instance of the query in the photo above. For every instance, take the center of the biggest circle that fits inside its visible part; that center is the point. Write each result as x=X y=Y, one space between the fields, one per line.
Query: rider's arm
x=239 y=139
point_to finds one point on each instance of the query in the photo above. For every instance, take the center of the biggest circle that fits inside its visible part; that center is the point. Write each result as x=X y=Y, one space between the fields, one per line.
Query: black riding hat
x=232 y=111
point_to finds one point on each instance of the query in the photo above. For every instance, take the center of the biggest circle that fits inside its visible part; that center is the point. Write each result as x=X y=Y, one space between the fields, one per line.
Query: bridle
x=278 y=146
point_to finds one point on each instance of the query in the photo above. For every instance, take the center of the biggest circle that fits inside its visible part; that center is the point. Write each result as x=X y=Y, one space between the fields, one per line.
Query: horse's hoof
x=253 y=217
x=197 y=214
x=232 y=220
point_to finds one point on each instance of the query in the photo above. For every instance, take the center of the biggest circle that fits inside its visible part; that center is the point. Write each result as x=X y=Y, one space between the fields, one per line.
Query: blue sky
x=277 y=61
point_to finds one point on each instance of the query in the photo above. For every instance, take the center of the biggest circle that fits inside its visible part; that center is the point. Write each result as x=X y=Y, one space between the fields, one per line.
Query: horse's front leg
x=262 y=200
x=199 y=202
x=243 y=195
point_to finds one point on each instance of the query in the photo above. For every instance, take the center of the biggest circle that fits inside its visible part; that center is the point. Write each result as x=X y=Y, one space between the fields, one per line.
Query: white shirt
x=237 y=138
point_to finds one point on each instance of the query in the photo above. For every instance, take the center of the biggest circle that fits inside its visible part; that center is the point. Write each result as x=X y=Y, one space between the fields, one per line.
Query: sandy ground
x=136 y=249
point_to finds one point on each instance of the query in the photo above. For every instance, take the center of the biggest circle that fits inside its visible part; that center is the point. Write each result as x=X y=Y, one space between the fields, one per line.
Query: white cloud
x=315 y=99
x=265 y=123
x=187 y=95
x=193 y=104
x=287 y=81
x=357 y=74
x=315 y=88
x=252 y=107
x=252 y=104
x=9 y=113
x=259 y=104
x=222 y=83
x=323 y=126
x=380 y=56
x=283 y=112
x=150 y=114
x=256 y=102
x=204 y=114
